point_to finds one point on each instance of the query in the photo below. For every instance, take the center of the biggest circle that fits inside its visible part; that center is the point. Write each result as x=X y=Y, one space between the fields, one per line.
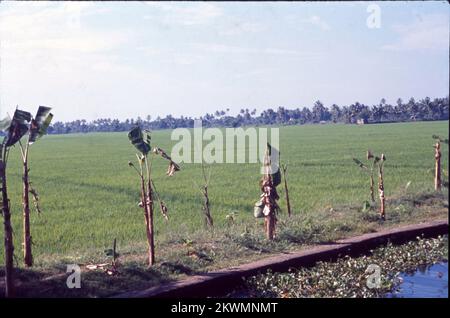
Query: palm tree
x=377 y=113
x=319 y=112
x=335 y=113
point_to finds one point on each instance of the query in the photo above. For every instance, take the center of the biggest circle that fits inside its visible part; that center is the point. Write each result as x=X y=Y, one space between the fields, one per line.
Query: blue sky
x=91 y=60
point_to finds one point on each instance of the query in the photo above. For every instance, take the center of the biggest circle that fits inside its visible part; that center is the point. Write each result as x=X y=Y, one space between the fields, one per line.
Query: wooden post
x=8 y=232
x=27 y=240
x=288 y=203
x=437 y=172
x=148 y=208
x=27 y=253
x=270 y=218
x=381 y=188
x=372 y=185
x=370 y=156
x=271 y=223
x=114 y=253
x=151 y=251
x=270 y=196
x=146 y=205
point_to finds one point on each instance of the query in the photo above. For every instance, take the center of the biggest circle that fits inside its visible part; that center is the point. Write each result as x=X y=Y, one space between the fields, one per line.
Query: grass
x=89 y=196
x=347 y=277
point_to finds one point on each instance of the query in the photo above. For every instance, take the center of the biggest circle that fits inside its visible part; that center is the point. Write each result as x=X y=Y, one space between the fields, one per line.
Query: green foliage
x=140 y=139
x=425 y=109
x=359 y=163
x=16 y=128
x=40 y=123
x=445 y=141
x=366 y=206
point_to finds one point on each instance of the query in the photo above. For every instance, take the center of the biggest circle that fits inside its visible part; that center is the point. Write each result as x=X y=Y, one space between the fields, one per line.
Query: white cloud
x=186 y=14
x=230 y=49
x=53 y=37
x=186 y=59
x=318 y=22
x=429 y=32
x=55 y=59
x=198 y=51
x=237 y=28
x=171 y=55
x=256 y=73
x=26 y=30
x=313 y=20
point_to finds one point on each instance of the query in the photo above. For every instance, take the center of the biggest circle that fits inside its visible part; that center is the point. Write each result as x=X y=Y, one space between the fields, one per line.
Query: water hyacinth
x=348 y=276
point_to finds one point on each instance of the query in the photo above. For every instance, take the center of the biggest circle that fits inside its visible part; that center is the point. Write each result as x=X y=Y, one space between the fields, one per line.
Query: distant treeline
x=424 y=109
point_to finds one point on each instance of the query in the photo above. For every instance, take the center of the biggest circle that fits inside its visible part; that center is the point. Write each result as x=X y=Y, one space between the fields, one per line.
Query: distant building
x=361 y=121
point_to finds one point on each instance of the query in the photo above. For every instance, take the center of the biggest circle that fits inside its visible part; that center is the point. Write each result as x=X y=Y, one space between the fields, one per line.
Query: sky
x=92 y=60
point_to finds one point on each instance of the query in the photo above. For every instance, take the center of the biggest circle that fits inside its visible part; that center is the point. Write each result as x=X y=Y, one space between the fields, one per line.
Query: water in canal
x=430 y=282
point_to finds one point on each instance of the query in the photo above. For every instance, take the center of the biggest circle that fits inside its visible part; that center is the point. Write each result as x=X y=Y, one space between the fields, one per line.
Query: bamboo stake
x=144 y=204
x=288 y=203
x=27 y=240
x=372 y=186
x=150 y=223
x=151 y=260
x=370 y=156
x=114 y=253
x=381 y=188
x=8 y=232
x=437 y=173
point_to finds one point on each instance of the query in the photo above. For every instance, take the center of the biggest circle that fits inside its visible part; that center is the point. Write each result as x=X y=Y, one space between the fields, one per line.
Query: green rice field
x=89 y=195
